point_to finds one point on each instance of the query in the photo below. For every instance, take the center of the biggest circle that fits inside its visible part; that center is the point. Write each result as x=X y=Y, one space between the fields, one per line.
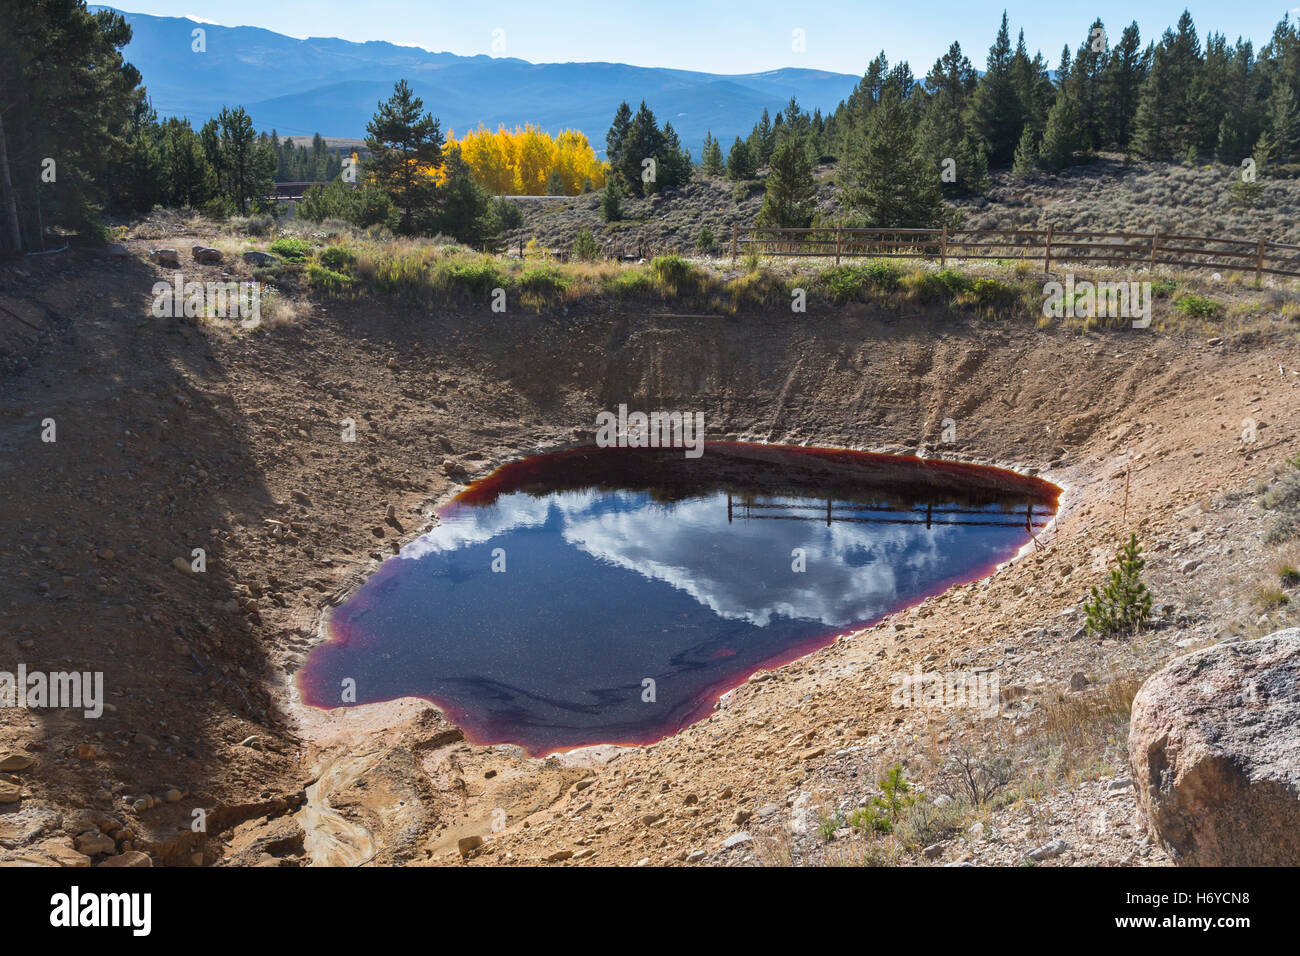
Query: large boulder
x=1214 y=745
x=166 y=257
x=208 y=255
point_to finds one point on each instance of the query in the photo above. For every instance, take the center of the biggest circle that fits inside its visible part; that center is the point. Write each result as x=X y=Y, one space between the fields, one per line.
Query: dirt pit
x=174 y=436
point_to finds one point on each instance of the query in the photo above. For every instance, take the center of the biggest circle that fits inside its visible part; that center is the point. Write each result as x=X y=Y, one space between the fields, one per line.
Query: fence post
x=1259 y=263
x=943 y=247
x=1155 y=244
x=735 y=239
x=839 y=234
x=1047 y=250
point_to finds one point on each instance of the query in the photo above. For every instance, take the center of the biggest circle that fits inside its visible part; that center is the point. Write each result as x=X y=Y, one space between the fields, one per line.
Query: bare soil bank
x=173 y=436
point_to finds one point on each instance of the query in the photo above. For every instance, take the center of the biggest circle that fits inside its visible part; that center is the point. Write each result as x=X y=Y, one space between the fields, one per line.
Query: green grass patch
x=292 y=250
x=1197 y=306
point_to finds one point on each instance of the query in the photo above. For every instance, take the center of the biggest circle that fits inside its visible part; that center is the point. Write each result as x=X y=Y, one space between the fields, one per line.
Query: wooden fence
x=1048 y=246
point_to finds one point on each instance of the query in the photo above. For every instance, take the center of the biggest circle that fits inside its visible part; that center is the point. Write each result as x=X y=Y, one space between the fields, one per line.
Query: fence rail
x=1030 y=516
x=1150 y=249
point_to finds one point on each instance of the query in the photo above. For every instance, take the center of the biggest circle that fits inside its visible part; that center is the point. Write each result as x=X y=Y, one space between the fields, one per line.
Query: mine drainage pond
x=610 y=595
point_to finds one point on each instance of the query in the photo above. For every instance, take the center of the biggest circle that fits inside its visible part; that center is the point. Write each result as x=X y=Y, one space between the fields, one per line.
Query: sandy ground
x=174 y=435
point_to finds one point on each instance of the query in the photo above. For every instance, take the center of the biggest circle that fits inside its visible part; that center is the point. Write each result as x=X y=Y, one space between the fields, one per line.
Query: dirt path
x=175 y=435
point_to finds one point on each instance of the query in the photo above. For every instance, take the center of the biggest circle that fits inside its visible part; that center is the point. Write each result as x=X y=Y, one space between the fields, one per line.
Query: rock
x=12 y=762
x=1214 y=746
x=207 y=255
x=256 y=258
x=117 y=249
x=650 y=819
x=1120 y=783
x=1049 y=850
x=695 y=856
x=54 y=852
x=132 y=859
x=559 y=855
x=166 y=257
x=584 y=854
x=10 y=792
x=467 y=846
x=92 y=842
x=736 y=839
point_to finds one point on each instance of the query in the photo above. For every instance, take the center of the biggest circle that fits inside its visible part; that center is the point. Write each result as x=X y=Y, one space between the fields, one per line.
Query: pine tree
x=1026 y=161
x=405 y=145
x=611 y=201
x=1124 y=604
x=247 y=164
x=740 y=161
x=888 y=178
x=464 y=208
x=1122 y=84
x=1056 y=151
x=618 y=131
x=995 y=113
x=711 y=161
x=791 y=198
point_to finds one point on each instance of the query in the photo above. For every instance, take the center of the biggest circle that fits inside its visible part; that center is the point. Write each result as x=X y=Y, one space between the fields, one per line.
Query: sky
x=721 y=37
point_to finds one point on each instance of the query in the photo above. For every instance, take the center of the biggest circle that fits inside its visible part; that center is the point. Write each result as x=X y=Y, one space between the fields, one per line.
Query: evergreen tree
x=740 y=161
x=995 y=112
x=888 y=177
x=1060 y=139
x=247 y=165
x=711 y=161
x=618 y=131
x=1122 y=84
x=791 y=197
x=464 y=208
x=611 y=200
x=1026 y=161
x=66 y=94
x=762 y=141
x=405 y=145
x=1123 y=606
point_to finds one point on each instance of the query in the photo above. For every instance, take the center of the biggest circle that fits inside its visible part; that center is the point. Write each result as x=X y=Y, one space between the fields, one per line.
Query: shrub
x=584 y=247
x=477 y=276
x=337 y=258
x=292 y=250
x=705 y=242
x=1124 y=604
x=846 y=283
x=673 y=276
x=629 y=283
x=543 y=282
x=991 y=295
x=327 y=280
x=1196 y=306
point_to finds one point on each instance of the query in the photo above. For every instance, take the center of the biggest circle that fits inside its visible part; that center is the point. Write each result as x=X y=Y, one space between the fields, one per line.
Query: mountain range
x=331 y=86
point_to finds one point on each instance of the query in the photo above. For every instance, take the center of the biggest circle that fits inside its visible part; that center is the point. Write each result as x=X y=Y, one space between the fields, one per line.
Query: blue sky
x=716 y=36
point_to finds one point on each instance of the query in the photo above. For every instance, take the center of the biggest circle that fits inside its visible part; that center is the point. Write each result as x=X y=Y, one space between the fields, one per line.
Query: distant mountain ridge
x=331 y=86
